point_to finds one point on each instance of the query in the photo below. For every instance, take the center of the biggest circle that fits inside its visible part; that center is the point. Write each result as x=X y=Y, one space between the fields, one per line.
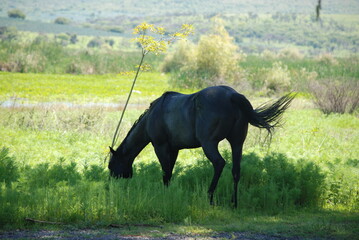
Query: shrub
x=62 y=21
x=275 y=183
x=116 y=29
x=95 y=173
x=301 y=78
x=9 y=171
x=343 y=184
x=16 y=13
x=27 y=62
x=95 y=43
x=73 y=39
x=43 y=175
x=213 y=61
x=277 y=78
x=269 y=55
x=110 y=42
x=336 y=96
x=327 y=59
x=290 y=53
x=8 y=33
x=183 y=54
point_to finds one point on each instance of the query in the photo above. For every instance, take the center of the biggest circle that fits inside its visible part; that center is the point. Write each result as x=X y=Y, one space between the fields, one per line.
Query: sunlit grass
x=61 y=136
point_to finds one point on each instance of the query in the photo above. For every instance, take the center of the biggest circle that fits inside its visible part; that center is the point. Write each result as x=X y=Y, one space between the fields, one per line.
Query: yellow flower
x=159 y=45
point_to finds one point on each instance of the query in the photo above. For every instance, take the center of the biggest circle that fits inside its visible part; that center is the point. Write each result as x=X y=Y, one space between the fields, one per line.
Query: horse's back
x=186 y=120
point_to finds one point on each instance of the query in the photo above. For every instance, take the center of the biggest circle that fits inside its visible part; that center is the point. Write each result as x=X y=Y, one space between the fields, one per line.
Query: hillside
x=83 y=11
x=255 y=25
x=44 y=27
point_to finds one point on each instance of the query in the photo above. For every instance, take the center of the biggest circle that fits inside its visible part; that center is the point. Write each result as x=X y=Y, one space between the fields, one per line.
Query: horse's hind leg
x=212 y=153
x=236 y=170
x=237 y=142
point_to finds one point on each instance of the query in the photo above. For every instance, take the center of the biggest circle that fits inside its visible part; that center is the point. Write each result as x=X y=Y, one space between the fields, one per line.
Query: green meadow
x=63 y=88
x=53 y=164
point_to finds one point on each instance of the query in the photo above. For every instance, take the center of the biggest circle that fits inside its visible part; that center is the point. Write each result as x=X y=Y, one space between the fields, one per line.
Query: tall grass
x=61 y=193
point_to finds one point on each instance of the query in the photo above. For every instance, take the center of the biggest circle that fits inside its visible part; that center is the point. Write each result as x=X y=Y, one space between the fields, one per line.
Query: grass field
x=305 y=183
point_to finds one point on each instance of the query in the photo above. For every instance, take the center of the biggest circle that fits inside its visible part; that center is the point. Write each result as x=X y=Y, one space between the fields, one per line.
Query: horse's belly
x=184 y=141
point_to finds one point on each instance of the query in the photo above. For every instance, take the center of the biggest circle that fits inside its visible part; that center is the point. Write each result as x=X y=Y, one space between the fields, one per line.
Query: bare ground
x=112 y=234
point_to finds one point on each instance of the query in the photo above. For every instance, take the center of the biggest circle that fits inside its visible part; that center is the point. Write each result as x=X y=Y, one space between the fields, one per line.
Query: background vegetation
x=61 y=95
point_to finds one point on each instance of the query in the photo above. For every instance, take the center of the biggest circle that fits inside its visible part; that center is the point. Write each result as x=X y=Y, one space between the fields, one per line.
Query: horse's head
x=119 y=165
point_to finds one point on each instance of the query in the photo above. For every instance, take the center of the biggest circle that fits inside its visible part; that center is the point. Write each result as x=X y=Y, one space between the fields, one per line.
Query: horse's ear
x=112 y=151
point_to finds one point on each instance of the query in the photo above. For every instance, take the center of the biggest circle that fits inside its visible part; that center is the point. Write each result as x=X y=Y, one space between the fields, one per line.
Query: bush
x=276 y=183
x=16 y=13
x=62 y=21
x=43 y=175
x=9 y=171
x=327 y=59
x=95 y=173
x=116 y=29
x=290 y=54
x=183 y=54
x=336 y=96
x=277 y=79
x=343 y=184
x=269 y=55
x=95 y=43
x=8 y=33
x=213 y=61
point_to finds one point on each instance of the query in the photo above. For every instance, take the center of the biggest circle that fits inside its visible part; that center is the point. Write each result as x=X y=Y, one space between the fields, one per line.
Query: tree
x=16 y=13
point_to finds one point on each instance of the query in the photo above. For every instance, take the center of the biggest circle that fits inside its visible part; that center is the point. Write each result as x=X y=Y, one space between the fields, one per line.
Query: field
x=55 y=130
x=63 y=89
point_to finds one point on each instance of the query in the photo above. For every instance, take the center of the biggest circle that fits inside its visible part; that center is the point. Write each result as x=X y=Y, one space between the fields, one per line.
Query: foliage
x=273 y=187
x=213 y=61
x=299 y=72
x=16 y=13
x=180 y=57
x=277 y=79
x=9 y=171
x=44 y=175
x=49 y=56
x=333 y=96
x=8 y=33
x=95 y=43
x=290 y=54
x=62 y=20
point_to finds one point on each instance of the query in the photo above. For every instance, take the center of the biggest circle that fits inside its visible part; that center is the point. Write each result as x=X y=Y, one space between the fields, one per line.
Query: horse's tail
x=266 y=116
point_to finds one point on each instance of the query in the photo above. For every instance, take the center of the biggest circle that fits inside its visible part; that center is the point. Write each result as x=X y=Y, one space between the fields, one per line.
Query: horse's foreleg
x=212 y=153
x=167 y=158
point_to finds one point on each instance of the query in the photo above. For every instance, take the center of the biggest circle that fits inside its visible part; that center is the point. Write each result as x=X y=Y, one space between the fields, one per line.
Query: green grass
x=304 y=184
x=109 y=88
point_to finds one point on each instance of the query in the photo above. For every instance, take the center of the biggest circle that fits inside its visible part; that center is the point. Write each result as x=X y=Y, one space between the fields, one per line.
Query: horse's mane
x=152 y=105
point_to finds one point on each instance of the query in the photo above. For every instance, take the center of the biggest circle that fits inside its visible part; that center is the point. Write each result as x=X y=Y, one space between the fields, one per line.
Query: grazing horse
x=176 y=121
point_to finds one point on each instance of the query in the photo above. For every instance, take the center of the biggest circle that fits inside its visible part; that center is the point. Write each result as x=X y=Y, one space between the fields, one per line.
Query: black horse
x=176 y=121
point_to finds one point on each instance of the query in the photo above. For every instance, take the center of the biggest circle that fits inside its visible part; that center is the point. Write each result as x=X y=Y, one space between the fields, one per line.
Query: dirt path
x=112 y=234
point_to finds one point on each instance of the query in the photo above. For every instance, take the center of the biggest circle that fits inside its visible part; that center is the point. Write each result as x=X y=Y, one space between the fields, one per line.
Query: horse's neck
x=136 y=140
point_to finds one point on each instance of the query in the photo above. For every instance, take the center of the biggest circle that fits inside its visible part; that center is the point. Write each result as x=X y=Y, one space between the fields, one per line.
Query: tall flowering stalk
x=157 y=42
